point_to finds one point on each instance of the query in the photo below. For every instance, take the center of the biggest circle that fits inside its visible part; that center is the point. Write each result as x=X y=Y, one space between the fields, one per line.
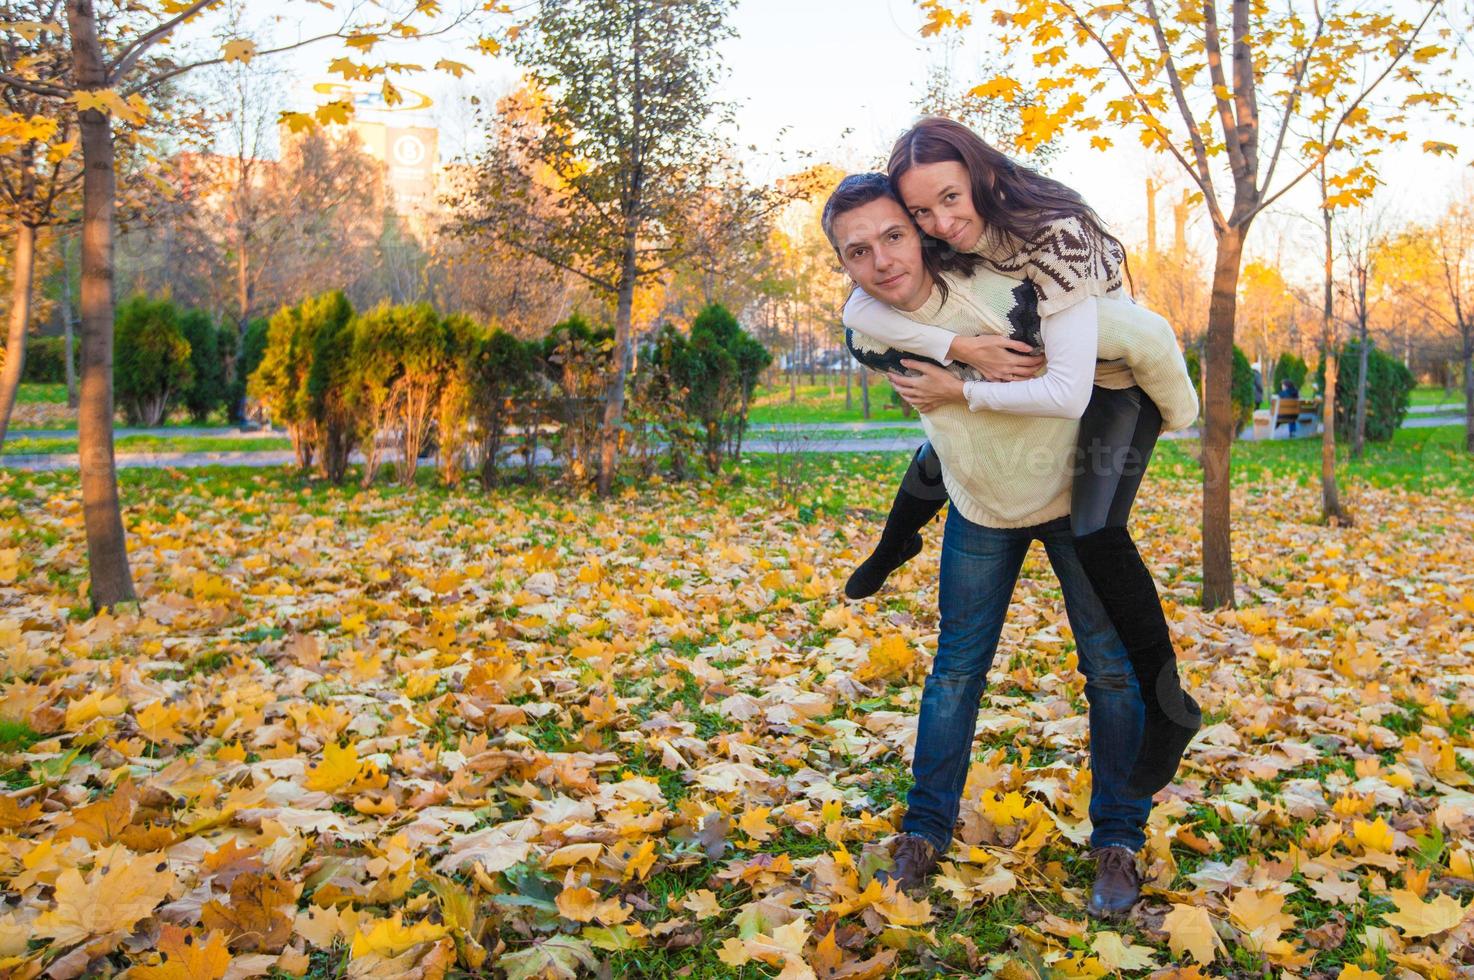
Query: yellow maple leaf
x=640 y=862
x=456 y=68
x=340 y=766
x=1376 y=836
x=1117 y=954
x=241 y=50
x=1190 y=929
x=159 y=723
x=900 y=909
x=187 y=957
x=1260 y=915
x=297 y=122
x=390 y=937
x=755 y=824
x=1416 y=918
x=109 y=901
x=891 y=657
x=1350 y=971
x=96 y=704
x=330 y=113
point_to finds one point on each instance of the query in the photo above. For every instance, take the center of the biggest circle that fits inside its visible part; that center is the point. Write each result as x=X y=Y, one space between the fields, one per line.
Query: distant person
x=1288 y=390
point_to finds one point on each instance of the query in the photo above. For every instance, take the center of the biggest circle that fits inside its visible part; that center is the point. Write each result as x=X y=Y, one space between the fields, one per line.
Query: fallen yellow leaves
x=107 y=903
x=520 y=734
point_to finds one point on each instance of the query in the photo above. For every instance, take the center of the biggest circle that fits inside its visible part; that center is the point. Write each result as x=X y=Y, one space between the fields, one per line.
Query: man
x=1008 y=480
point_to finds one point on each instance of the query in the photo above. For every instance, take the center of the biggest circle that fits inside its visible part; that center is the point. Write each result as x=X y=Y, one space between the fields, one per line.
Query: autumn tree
x=1267 y=307
x=600 y=177
x=1362 y=240
x=118 y=58
x=1190 y=81
x=1430 y=268
x=38 y=172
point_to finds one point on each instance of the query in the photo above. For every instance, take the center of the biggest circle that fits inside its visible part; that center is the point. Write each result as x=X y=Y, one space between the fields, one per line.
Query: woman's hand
x=932 y=389
x=998 y=358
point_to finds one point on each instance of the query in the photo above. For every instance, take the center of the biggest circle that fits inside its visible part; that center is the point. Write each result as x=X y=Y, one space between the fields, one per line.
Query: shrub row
x=408 y=377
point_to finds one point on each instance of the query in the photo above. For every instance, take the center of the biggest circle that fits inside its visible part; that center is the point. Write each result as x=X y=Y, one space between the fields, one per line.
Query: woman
x=969 y=198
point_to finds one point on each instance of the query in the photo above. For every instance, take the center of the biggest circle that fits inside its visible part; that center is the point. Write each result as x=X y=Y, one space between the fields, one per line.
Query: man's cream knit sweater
x=1007 y=470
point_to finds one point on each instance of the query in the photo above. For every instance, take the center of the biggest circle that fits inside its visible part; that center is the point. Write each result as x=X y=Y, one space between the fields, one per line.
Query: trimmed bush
x=207 y=391
x=401 y=363
x=151 y=364
x=1290 y=366
x=506 y=389
x=46 y=360
x=576 y=357
x=1241 y=388
x=1389 y=392
x=329 y=377
x=247 y=359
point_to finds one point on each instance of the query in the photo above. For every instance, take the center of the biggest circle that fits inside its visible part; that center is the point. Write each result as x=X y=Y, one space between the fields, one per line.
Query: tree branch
x=1219 y=83
x=1293 y=98
x=129 y=56
x=1203 y=174
x=1346 y=114
x=1246 y=103
x=39 y=88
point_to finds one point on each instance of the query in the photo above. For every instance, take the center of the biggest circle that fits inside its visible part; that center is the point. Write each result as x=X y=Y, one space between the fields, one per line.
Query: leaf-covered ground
x=389 y=734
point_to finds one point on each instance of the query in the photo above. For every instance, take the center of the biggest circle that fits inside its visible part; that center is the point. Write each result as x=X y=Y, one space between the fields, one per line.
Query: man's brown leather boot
x=915 y=859
x=1117 y=882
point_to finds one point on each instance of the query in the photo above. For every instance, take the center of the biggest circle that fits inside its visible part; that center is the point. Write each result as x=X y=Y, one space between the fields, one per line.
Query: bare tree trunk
x=1218 y=423
x=20 y=318
x=614 y=398
x=1359 y=434
x=1468 y=331
x=793 y=363
x=107 y=547
x=865 y=390
x=1330 y=494
x=68 y=317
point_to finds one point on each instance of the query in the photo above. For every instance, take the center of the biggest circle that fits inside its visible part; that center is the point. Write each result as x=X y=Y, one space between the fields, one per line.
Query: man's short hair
x=855 y=191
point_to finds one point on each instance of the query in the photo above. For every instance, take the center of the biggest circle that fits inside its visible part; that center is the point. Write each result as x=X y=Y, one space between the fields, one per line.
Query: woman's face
x=939 y=197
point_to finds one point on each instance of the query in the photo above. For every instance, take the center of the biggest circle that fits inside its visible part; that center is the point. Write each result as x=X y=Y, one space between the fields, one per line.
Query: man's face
x=881 y=250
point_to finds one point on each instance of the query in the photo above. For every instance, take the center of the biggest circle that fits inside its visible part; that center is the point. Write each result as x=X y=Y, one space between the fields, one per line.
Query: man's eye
x=951 y=197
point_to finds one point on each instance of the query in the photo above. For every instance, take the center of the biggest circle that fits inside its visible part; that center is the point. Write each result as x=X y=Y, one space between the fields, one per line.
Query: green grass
x=152 y=444
x=1415 y=459
x=1452 y=398
x=823 y=402
x=37 y=393
x=16 y=736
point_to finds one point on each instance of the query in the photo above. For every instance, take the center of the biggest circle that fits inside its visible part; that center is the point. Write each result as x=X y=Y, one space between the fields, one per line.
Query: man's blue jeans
x=979 y=568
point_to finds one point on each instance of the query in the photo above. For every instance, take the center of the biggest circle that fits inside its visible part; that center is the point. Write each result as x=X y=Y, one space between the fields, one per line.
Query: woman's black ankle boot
x=920 y=497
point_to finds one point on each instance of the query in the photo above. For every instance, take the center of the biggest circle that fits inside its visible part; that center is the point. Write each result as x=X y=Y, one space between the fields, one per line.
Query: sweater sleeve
x=868 y=315
x=1063 y=391
x=1069 y=261
x=1156 y=361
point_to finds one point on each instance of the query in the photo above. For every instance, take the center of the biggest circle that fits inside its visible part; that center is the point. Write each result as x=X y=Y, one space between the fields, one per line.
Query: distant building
x=402 y=137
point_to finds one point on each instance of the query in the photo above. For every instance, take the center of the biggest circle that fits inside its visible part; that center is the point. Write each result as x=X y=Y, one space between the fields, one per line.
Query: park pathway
x=807 y=437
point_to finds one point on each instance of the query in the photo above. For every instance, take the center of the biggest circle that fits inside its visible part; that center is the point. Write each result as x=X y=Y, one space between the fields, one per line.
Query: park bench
x=1301 y=411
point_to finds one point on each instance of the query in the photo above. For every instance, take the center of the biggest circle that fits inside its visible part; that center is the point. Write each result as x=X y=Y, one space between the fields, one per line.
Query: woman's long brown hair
x=1007 y=195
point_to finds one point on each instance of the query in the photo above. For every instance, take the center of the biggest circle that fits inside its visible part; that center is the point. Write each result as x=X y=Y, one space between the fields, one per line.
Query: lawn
x=823 y=402
x=36 y=445
x=533 y=732
x=41 y=394
x=1450 y=398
